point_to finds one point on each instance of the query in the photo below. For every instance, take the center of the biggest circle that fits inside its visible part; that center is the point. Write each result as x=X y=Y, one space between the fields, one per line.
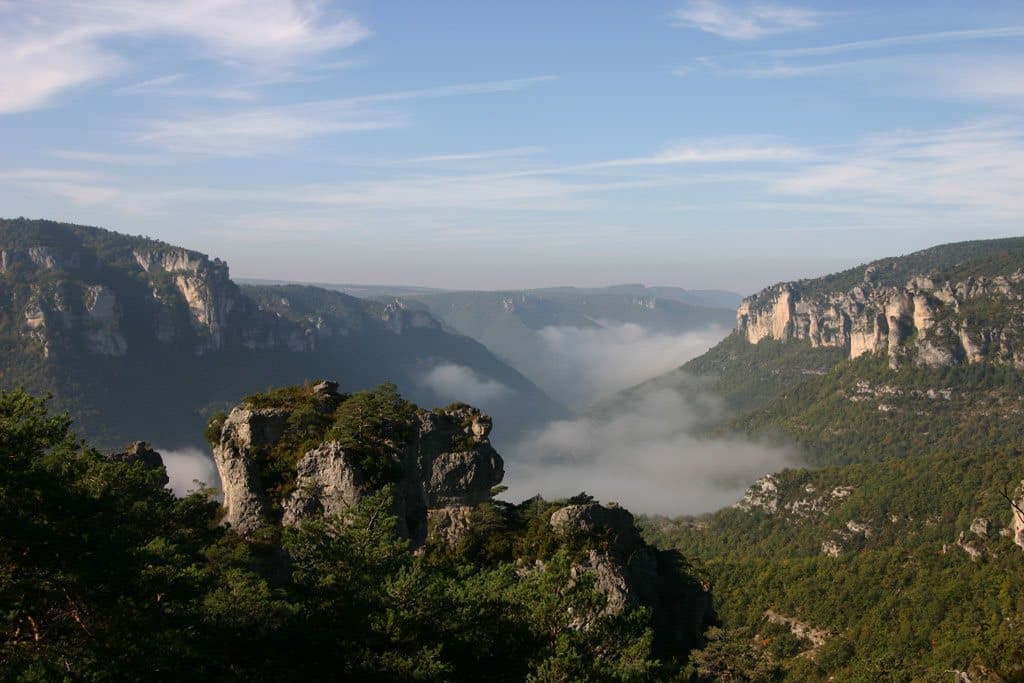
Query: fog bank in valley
x=642 y=457
x=451 y=382
x=186 y=466
x=588 y=364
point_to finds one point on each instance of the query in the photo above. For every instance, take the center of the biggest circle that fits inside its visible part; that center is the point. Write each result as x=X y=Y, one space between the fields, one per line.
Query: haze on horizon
x=699 y=143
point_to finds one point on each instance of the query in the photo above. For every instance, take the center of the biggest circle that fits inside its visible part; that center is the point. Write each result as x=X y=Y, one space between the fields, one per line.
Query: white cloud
x=642 y=456
x=451 y=382
x=744 y=21
x=186 y=466
x=54 y=45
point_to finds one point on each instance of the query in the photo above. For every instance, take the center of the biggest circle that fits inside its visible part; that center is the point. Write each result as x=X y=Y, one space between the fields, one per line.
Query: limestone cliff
x=927 y=320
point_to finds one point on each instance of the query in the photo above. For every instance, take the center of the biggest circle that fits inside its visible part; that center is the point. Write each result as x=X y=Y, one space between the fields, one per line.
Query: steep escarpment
x=94 y=316
x=933 y=317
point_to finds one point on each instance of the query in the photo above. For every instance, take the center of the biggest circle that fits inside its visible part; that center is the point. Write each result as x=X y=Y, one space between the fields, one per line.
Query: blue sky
x=696 y=143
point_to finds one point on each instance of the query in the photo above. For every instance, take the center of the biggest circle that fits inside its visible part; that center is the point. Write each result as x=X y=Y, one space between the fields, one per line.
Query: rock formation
x=624 y=567
x=141 y=452
x=445 y=467
x=933 y=323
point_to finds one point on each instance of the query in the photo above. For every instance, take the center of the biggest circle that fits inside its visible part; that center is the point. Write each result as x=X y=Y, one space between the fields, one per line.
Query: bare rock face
x=328 y=482
x=244 y=431
x=203 y=284
x=141 y=452
x=446 y=467
x=922 y=321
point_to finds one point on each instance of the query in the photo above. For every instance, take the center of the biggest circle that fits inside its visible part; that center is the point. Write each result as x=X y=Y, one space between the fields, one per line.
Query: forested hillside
x=901 y=559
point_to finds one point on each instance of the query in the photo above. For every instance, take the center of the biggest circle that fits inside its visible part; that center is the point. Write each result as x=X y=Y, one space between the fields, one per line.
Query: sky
x=699 y=143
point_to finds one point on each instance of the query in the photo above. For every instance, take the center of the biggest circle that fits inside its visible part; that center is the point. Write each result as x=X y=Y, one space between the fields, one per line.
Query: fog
x=588 y=364
x=186 y=466
x=641 y=456
x=451 y=382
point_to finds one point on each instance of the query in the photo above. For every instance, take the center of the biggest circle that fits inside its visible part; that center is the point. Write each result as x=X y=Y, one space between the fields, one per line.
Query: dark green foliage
x=105 y=576
x=375 y=425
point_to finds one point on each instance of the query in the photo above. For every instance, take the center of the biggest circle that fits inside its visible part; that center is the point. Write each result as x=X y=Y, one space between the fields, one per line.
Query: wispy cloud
x=78 y=187
x=171 y=86
x=255 y=131
x=987 y=72
x=52 y=46
x=902 y=40
x=477 y=156
x=980 y=167
x=744 y=21
x=112 y=158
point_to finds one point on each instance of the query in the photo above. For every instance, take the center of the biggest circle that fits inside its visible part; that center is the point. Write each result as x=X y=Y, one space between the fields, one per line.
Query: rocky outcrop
x=243 y=433
x=142 y=453
x=623 y=566
x=445 y=466
x=931 y=323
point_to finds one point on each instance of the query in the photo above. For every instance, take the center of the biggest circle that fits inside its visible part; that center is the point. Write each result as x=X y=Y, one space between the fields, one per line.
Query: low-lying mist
x=187 y=466
x=588 y=364
x=451 y=382
x=641 y=456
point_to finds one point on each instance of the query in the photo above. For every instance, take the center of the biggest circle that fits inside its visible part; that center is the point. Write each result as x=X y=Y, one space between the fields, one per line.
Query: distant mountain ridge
x=136 y=334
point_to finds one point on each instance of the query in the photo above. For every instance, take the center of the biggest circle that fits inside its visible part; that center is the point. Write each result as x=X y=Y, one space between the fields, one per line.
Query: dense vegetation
x=106 y=576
